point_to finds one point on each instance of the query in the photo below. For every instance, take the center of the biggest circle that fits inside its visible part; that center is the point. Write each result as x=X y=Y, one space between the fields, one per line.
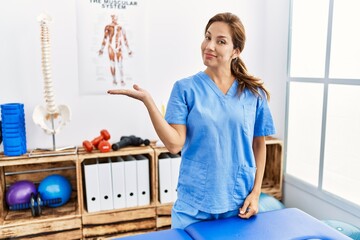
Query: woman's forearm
x=259 y=148
x=172 y=136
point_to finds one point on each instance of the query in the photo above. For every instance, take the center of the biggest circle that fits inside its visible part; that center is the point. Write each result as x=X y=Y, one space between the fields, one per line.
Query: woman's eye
x=221 y=42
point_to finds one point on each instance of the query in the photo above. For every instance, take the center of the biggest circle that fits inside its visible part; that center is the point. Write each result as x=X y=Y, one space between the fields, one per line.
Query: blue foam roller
x=13 y=129
x=12 y=141
x=0 y=132
x=12 y=107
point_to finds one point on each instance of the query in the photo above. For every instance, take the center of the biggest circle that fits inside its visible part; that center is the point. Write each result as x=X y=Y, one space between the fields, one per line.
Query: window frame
x=317 y=191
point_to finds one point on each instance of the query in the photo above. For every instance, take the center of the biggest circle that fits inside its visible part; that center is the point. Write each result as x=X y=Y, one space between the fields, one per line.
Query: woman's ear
x=236 y=53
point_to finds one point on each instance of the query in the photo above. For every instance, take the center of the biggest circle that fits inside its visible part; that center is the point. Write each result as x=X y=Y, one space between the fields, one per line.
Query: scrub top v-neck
x=218 y=167
x=231 y=91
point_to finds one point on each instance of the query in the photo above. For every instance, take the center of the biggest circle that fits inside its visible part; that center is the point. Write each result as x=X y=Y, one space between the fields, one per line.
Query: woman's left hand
x=250 y=206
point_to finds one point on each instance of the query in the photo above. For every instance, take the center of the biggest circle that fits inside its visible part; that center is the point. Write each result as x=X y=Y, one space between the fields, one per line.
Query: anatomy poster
x=111 y=53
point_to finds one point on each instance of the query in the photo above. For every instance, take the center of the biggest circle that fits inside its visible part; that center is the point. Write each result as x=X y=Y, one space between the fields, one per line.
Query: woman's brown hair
x=238 y=68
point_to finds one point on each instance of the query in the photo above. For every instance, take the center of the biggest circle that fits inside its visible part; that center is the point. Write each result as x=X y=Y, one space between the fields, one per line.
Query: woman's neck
x=222 y=79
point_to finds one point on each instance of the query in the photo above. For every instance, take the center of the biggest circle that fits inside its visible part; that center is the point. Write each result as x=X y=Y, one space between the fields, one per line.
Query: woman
x=218 y=119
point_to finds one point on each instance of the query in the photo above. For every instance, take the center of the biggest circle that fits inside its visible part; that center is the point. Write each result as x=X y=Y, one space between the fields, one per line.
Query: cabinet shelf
x=121 y=221
x=64 y=221
x=73 y=221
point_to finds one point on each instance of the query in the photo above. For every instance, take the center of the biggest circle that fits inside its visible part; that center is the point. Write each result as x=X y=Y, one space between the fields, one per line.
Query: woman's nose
x=210 y=45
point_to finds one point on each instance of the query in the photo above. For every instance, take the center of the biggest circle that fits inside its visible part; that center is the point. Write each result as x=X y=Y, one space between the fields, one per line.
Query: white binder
x=143 y=180
x=105 y=184
x=131 y=198
x=165 y=191
x=118 y=182
x=175 y=168
x=92 y=185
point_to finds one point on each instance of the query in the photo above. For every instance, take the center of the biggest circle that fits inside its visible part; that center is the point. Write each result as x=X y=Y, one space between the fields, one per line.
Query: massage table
x=283 y=224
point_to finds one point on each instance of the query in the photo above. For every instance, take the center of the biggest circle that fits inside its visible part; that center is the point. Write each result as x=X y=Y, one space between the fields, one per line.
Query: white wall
x=295 y=196
x=275 y=55
x=175 y=33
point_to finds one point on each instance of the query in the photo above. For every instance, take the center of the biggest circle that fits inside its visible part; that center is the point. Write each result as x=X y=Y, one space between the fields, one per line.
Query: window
x=309 y=30
x=323 y=106
x=341 y=154
x=345 y=39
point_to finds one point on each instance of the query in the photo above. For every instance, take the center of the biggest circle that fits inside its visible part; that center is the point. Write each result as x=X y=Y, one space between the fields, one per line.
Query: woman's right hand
x=136 y=93
x=173 y=136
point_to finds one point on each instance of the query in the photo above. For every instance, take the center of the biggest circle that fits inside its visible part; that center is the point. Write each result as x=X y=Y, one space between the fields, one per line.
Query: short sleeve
x=264 y=124
x=177 y=110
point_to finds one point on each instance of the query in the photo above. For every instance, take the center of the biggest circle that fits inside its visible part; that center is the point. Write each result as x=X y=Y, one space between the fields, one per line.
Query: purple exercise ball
x=20 y=192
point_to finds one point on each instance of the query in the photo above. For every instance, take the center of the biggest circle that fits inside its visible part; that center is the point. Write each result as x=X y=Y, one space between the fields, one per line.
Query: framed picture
x=111 y=37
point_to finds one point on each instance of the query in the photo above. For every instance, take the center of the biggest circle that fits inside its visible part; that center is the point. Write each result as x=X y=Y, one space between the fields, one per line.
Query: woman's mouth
x=209 y=56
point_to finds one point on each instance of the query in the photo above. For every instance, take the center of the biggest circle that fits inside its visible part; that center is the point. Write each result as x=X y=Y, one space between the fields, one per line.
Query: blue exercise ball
x=55 y=186
x=345 y=228
x=269 y=203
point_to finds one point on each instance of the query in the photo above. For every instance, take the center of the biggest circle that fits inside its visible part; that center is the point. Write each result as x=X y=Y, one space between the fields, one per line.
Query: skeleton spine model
x=46 y=67
x=45 y=117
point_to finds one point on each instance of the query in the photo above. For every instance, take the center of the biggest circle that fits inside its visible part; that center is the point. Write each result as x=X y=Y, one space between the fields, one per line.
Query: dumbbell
x=99 y=142
x=35 y=204
x=129 y=141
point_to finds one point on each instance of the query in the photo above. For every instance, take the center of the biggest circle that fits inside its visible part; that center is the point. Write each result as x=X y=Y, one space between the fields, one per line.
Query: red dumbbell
x=104 y=146
x=95 y=143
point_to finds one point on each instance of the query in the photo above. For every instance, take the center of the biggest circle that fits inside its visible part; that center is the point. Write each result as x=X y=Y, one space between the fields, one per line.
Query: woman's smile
x=209 y=56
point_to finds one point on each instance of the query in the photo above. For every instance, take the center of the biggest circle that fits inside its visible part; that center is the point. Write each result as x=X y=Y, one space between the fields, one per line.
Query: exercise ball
x=20 y=192
x=345 y=228
x=269 y=203
x=55 y=186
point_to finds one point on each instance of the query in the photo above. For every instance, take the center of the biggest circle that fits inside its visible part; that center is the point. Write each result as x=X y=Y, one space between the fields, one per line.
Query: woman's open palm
x=136 y=93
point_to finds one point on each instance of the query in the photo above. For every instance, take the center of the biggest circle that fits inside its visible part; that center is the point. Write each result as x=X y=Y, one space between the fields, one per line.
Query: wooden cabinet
x=121 y=221
x=59 y=223
x=273 y=175
x=163 y=211
x=73 y=221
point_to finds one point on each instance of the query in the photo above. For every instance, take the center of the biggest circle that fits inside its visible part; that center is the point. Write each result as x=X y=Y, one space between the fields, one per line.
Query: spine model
x=46 y=66
x=45 y=116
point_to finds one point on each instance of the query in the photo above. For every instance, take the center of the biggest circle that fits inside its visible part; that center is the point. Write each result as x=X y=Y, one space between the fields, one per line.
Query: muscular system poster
x=111 y=37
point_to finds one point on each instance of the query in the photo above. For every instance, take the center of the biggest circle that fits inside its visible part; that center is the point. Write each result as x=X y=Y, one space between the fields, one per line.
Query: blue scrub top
x=218 y=167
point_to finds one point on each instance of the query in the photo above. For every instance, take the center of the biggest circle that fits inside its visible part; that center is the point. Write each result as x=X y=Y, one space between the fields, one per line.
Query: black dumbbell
x=35 y=204
x=129 y=141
